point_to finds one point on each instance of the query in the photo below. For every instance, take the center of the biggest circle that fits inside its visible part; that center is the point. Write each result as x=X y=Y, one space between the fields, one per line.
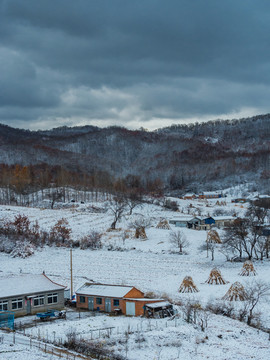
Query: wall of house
x=99 y=307
x=39 y=308
x=139 y=305
x=134 y=293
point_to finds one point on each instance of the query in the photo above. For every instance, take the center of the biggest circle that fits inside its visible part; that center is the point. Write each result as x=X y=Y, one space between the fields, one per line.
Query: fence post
x=14 y=337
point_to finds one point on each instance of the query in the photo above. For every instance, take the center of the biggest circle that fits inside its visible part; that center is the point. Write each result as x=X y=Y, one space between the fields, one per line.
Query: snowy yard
x=151 y=265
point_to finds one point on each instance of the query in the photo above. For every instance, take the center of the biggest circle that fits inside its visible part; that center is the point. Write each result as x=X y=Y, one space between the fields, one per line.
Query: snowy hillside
x=154 y=266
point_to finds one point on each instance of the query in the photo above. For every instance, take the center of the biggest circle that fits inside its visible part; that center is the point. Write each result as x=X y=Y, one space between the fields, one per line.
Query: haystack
x=213 y=237
x=188 y=285
x=248 y=269
x=140 y=233
x=235 y=292
x=163 y=224
x=215 y=277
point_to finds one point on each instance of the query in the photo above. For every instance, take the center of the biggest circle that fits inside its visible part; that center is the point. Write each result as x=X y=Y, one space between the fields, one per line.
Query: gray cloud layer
x=132 y=63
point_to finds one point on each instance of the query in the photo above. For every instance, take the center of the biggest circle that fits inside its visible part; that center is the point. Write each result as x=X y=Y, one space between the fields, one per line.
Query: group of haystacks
x=235 y=292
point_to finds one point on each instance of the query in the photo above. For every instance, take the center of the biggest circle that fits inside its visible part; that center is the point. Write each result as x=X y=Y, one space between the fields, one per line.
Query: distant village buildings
x=201 y=223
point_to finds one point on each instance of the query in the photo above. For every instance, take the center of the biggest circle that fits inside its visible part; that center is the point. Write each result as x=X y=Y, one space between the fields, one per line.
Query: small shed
x=223 y=221
x=30 y=294
x=194 y=223
x=159 y=309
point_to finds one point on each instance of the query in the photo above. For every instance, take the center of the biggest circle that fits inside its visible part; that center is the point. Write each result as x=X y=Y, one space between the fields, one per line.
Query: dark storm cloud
x=74 y=62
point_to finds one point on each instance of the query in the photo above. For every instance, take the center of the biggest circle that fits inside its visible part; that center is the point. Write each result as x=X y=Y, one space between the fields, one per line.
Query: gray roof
x=158 y=304
x=104 y=290
x=217 y=218
x=21 y=285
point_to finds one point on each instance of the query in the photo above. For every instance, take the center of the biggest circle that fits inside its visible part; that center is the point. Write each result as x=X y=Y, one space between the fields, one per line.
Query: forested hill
x=209 y=155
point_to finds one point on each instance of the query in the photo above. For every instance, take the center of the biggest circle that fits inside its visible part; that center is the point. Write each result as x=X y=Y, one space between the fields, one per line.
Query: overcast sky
x=147 y=63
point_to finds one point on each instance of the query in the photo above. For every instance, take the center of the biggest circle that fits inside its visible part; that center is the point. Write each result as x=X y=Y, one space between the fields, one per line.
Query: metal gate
x=108 y=305
x=91 y=303
x=28 y=306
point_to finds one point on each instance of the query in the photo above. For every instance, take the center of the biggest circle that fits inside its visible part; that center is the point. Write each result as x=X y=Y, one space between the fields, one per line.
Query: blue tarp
x=7 y=319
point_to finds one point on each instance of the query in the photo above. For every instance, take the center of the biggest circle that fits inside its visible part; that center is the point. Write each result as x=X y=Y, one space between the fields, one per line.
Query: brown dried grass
x=188 y=286
x=215 y=277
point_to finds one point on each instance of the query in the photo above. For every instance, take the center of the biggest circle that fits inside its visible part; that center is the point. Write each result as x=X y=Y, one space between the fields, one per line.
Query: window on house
x=82 y=299
x=52 y=298
x=16 y=304
x=3 y=305
x=39 y=300
x=115 y=302
x=98 y=301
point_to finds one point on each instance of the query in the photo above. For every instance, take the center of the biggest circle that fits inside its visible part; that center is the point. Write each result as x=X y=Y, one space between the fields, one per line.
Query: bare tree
x=235 y=235
x=140 y=222
x=133 y=199
x=117 y=207
x=254 y=293
x=56 y=195
x=178 y=238
x=209 y=246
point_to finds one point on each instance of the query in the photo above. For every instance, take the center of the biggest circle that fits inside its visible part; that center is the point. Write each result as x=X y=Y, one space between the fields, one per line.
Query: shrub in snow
x=22 y=249
x=91 y=241
x=60 y=233
x=171 y=205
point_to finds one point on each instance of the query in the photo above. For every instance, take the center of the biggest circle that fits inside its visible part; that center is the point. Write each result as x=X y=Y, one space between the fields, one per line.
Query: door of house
x=130 y=308
x=28 y=306
x=91 y=303
x=108 y=305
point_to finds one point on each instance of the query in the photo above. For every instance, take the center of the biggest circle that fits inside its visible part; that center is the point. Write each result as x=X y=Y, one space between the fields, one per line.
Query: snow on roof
x=211 y=192
x=223 y=218
x=142 y=299
x=104 y=290
x=184 y=218
x=26 y=284
x=158 y=304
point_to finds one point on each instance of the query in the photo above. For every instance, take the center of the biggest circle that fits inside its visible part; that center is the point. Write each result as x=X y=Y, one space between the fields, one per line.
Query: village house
x=189 y=196
x=181 y=221
x=210 y=195
x=30 y=294
x=126 y=300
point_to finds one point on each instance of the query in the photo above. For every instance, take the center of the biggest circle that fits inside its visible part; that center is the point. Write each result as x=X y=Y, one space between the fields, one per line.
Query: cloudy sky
x=145 y=63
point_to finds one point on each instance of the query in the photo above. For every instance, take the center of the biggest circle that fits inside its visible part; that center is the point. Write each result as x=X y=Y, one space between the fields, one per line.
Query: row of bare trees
x=246 y=236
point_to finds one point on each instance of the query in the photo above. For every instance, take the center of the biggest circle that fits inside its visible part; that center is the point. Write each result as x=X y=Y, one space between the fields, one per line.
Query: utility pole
x=71 y=277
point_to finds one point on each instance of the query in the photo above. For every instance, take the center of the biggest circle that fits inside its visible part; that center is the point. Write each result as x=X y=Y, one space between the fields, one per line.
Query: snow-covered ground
x=152 y=265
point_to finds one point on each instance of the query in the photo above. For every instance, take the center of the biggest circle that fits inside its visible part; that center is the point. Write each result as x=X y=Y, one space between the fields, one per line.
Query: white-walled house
x=30 y=294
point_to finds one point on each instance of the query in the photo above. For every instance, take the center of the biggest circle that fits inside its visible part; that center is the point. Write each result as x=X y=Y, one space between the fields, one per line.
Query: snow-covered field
x=152 y=265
